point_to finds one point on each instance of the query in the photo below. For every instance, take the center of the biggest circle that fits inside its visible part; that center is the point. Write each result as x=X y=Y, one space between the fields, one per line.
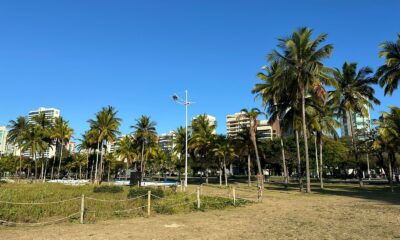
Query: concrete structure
x=238 y=122
x=3 y=139
x=361 y=125
x=51 y=114
x=71 y=147
x=211 y=120
x=166 y=141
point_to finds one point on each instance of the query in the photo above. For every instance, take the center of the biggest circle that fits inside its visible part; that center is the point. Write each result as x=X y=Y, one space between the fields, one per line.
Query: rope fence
x=154 y=202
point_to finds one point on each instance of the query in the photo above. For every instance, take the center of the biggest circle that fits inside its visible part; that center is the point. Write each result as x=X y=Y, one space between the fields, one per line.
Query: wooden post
x=201 y=189
x=181 y=185
x=198 y=198
x=148 y=203
x=234 y=196
x=82 y=208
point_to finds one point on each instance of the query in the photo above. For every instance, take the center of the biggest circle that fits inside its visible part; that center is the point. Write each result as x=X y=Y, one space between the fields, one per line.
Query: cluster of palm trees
x=36 y=136
x=307 y=97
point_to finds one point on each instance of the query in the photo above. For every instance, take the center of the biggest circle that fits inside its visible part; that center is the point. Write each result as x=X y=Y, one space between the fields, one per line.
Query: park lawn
x=341 y=211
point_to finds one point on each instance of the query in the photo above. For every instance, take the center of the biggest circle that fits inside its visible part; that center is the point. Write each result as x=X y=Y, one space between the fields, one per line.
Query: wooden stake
x=198 y=198
x=234 y=196
x=82 y=208
x=148 y=203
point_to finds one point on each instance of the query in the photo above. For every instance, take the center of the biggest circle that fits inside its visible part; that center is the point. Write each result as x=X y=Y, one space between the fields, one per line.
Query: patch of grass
x=108 y=189
x=135 y=192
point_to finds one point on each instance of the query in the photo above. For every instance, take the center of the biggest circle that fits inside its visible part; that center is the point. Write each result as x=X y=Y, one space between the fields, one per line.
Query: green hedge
x=135 y=192
x=108 y=189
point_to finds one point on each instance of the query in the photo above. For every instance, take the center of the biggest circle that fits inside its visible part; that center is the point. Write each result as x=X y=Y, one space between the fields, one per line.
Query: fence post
x=201 y=189
x=82 y=208
x=234 y=196
x=198 y=198
x=181 y=185
x=148 y=203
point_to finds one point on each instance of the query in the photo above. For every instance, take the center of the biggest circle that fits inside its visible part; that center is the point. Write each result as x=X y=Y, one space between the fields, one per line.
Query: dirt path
x=282 y=215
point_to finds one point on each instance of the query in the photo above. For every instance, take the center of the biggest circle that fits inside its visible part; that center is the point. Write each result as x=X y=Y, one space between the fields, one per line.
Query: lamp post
x=186 y=103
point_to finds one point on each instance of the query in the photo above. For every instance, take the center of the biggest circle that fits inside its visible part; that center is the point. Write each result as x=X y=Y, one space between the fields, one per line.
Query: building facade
x=166 y=141
x=3 y=140
x=238 y=122
x=361 y=125
x=51 y=114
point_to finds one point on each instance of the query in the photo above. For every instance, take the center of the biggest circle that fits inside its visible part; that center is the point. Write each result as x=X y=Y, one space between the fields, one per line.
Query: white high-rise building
x=51 y=114
x=166 y=141
x=3 y=139
x=238 y=122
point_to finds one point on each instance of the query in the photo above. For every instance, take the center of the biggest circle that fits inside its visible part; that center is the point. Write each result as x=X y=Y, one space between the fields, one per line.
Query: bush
x=141 y=191
x=108 y=189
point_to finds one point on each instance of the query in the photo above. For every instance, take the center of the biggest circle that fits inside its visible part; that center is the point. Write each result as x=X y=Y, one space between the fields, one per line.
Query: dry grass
x=339 y=212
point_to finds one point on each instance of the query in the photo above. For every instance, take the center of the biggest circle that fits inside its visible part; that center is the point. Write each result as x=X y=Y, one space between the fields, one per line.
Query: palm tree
x=389 y=73
x=245 y=145
x=107 y=126
x=17 y=130
x=44 y=125
x=389 y=137
x=180 y=146
x=126 y=150
x=302 y=57
x=61 y=133
x=145 y=133
x=354 y=95
x=224 y=149
x=34 y=142
x=253 y=114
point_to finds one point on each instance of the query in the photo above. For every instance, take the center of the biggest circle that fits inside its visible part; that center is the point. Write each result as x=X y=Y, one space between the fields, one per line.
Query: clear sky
x=79 y=56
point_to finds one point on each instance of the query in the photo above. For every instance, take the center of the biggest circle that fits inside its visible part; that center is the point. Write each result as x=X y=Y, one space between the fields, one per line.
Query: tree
x=354 y=95
x=106 y=124
x=253 y=114
x=224 y=149
x=61 y=133
x=245 y=145
x=389 y=73
x=127 y=151
x=180 y=146
x=302 y=57
x=145 y=133
x=17 y=130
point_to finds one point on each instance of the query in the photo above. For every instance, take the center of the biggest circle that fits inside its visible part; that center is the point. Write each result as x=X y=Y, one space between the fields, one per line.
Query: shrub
x=135 y=192
x=108 y=189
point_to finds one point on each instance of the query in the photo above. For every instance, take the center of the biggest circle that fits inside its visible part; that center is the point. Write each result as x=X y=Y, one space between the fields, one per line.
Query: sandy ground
x=281 y=215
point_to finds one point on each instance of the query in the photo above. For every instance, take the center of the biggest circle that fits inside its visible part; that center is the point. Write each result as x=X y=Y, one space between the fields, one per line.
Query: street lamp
x=186 y=103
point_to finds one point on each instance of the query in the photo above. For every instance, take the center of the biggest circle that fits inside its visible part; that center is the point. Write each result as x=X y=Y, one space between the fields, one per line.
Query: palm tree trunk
x=42 y=168
x=97 y=161
x=80 y=171
x=141 y=163
x=303 y=113
x=101 y=169
x=390 y=158
x=285 y=173
x=34 y=159
x=320 y=162
x=248 y=170
x=225 y=175
x=353 y=141
x=59 y=162
x=20 y=166
x=316 y=155
x=52 y=165
x=108 y=175
x=299 y=161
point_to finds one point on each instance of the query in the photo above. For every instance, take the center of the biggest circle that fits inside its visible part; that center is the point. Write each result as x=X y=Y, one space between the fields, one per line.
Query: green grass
x=167 y=201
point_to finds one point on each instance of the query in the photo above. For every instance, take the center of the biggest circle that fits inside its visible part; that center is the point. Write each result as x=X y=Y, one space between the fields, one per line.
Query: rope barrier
x=111 y=200
x=128 y=210
x=40 y=223
x=38 y=203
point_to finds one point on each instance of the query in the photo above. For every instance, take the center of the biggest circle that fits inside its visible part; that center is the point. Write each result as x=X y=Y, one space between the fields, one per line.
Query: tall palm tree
x=44 y=125
x=106 y=124
x=253 y=114
x=245 y=144
x=145 y=133
x=17 y=130
x=201 y=142
x=61 y=133
x=354 y=95
x=34 y=142
x=389 y=73
x=302 y=57
x=180 y=146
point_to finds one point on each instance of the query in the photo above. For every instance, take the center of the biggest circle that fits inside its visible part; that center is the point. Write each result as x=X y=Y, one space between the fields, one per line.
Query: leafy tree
x=17 y=129
x=389 y=73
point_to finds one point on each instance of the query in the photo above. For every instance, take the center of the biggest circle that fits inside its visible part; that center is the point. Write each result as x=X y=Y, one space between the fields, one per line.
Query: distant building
x=211 y=120
x=51 y=114
x=361 y=125
x=71 y=147
x=3 y=139
x=238 y=122
x=166 y=141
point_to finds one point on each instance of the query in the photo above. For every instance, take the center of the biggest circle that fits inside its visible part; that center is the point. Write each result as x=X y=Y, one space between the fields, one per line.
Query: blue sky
x=79 y=56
